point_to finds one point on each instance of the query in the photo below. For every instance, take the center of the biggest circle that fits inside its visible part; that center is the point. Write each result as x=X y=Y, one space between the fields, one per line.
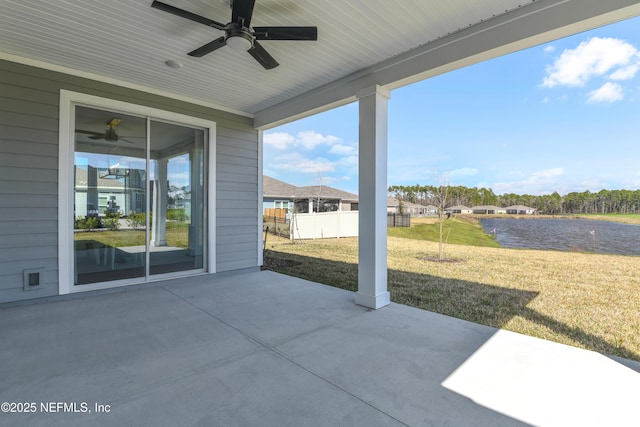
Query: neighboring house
x=430 y=210
x=488 y=210
x=459 y=209
x=108 y=191
x=318 y=198
x=520 y=210
x=277 y=194
x=83 y=88
x=393 y=207
x=491 y=210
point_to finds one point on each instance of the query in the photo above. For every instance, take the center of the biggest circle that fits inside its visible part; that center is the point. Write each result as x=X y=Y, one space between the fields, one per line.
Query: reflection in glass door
x=176 y=240
x=109 y=196
x=138 y=199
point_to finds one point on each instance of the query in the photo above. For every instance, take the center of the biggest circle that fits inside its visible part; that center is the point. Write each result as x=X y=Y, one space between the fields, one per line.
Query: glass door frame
x=68 y=101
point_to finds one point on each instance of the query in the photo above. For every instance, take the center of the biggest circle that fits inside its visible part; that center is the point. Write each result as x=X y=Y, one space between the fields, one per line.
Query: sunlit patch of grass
x=458 y=231
x=623 y=218
x=177 y=236
x=118 y=239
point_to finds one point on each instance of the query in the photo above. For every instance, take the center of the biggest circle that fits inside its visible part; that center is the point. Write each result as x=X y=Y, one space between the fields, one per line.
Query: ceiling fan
x=109 y=135
x=238 y=33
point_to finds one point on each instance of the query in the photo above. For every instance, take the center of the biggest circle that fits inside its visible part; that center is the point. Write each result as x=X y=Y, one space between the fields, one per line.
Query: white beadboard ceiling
x=128 y=41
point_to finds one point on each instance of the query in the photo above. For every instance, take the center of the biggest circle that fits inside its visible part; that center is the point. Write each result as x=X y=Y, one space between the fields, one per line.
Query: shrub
x=112 y=221
x=137 y=220
x=177 y=214
x=88 y=223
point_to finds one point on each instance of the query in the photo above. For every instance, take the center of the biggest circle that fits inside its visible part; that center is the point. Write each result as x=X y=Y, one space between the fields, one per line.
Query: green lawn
x=624 y=218
x=585 y=300
x=455 y=231
x=177 y=236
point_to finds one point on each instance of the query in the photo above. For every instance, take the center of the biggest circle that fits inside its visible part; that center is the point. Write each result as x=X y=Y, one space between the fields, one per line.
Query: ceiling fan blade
x=286 y=33
x=188 y=15
x=242 y=10
x=262 y=56
x=209 y=47
x=93 y=135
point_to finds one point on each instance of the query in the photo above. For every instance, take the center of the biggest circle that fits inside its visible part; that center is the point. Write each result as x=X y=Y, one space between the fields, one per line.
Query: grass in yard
x=177 y=234
x=585 y=300
x=455 y=230
x=623 y=218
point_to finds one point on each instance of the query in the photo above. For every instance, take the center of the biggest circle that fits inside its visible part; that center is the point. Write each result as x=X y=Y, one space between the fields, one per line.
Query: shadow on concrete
x=476 y=302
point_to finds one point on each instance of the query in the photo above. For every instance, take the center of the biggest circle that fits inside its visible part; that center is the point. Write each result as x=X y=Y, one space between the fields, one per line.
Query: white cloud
x=179 y=176
x=594 y=57
x=343 y=149
x=309 y=139
x=592 y=184
x=537 y=183
x=547 y=173
x=298 y=163
x=549 y=49
x=279 y=140
x=609 y=92
x=457 y=173
x=628 y=72
x=349 y=161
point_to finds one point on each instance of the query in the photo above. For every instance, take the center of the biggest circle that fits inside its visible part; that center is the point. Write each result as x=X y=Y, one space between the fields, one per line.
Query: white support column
x=160 y=191
x=196 y=227
x=372 y=232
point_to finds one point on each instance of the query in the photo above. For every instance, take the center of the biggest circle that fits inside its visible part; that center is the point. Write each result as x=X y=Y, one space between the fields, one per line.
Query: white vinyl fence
x=324 y=225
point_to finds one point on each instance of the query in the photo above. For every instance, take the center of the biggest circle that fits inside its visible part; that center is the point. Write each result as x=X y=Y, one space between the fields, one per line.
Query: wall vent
x=32 y=279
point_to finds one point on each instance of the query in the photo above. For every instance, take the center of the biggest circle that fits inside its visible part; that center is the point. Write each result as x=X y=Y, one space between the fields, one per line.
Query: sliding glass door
x=139 y=197
x=176 y=238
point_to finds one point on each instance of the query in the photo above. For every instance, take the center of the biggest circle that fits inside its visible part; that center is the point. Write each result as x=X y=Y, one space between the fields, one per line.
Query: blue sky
x=563 y=116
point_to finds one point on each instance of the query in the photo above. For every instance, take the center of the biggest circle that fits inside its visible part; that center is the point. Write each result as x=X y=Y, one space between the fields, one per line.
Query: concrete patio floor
x=263 y=349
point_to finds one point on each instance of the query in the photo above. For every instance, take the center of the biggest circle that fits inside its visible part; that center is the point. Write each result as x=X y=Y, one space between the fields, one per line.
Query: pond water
x=565 y=235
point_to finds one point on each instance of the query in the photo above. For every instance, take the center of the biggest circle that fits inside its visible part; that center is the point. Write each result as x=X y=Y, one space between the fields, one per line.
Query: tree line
x=586 y=202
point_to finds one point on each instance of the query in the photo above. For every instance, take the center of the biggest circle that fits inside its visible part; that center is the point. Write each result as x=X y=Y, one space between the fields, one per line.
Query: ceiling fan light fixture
x=239 y=40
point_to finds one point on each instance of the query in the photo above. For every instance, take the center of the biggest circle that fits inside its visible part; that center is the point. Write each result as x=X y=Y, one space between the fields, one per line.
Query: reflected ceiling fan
x=110 y=134
x=239 y=34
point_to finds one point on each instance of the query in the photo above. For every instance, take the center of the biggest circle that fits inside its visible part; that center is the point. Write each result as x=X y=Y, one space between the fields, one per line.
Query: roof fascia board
x=538 y=22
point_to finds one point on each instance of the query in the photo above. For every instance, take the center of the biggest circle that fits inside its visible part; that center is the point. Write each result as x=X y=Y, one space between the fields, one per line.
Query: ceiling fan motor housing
x=238 y=38
x=239 y=34
x=110 y=134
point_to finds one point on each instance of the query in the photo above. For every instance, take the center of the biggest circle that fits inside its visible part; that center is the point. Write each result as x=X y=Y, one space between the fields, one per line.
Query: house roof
x=520 y=208
x=82 y=180
x=393 y=202
x=272 y=187
x=377 y=42
x=487 y=208
x=326 y=192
